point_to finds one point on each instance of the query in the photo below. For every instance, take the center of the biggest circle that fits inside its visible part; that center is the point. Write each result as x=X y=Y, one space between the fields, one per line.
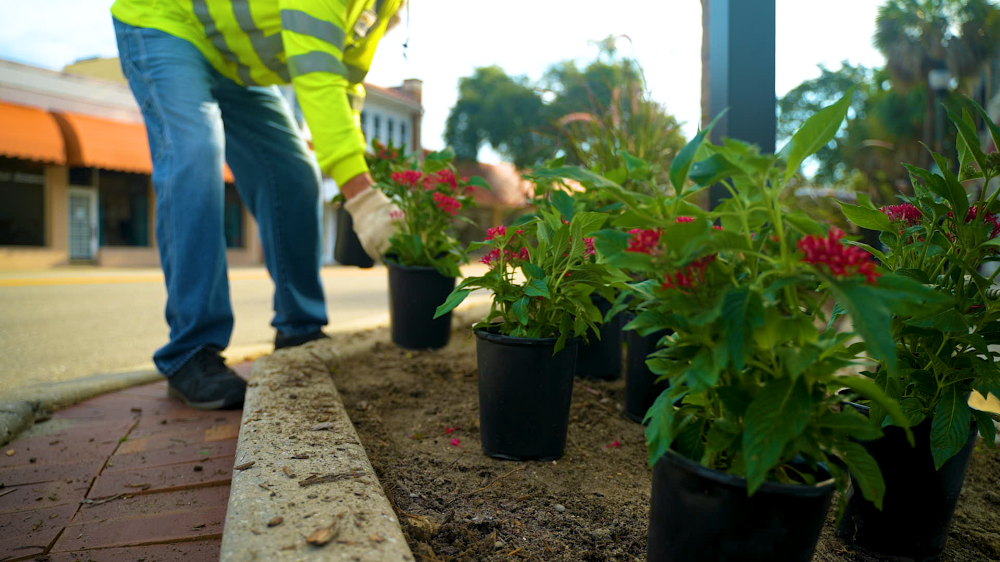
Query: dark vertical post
x=740 y=41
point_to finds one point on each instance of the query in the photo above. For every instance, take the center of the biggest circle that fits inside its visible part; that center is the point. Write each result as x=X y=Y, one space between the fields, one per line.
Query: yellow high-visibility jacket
x=323 y=47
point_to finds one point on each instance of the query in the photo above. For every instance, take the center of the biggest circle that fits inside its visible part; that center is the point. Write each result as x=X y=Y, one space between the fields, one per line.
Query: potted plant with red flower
x=381 y=162
x=423 y=256
x=751 y=438
x=542 y=274
x=939 y=238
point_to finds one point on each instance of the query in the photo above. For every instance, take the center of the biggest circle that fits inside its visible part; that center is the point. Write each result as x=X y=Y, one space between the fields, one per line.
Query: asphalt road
x=68 y=323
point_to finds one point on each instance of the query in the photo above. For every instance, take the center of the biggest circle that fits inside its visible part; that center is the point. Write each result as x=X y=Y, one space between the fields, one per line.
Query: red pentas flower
x=643 y=240
x=682 y=218
x=447 y=204
x=588 y=247
x=987 y=217
x=407 y=178
x=905 y=213
x=842 y=260
x=492 y=233
x=690 y=276
x=492 y=257
x=445 y=176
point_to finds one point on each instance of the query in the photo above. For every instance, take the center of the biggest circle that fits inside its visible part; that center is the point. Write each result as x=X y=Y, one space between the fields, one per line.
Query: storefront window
x=123 y=208
x=233 y=218
x=22 y=203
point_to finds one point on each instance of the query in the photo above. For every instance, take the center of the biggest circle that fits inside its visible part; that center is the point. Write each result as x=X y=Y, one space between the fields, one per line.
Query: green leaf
x=609 y=242
x=537 y=288
x=877 y=253
x=777 y=415
x=660 y=420
x=805 y=224
x=913 y=409
x=681 y=164
x=948 y=321
x=533 y=271
x=454 y=299
x=638 y=169
x=742 y=311
x=520 y=310
x=713 y=169
x=933 y=182
x=480 y=182
x=816 y=132
x=865 y=471
x=871 y=319
x=797 y=359
x=563 y=203
x=647 y=322
x=587 y=223
x=986 y=427
x=872 y=219
x=990 y=124
x=969 y=142
x=950 y=426
x=849 y=423
x=954 y=192
x=702 y=373
x=838 y=311
x=587 y=178
x=445 y=155
x=864 y=200
x=868 y=389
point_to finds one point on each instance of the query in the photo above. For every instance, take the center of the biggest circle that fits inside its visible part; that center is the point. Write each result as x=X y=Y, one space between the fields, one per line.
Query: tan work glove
x=370 y=210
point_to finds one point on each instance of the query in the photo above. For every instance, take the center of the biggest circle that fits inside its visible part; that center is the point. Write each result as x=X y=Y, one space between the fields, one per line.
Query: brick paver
x=130 y=475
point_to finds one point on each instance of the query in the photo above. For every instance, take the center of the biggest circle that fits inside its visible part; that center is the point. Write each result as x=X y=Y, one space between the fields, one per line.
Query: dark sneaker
x=206 y=383
x=282 y=341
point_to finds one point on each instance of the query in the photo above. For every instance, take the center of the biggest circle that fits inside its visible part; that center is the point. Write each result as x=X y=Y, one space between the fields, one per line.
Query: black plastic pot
x=524 y=395
x=641 y=388
x=414 y=295
x=348 y=250
x=919 y=501
x=698 y=514
x=602 y=358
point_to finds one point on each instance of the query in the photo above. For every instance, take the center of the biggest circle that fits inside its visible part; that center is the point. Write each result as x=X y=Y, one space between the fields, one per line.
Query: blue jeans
x=196 y=119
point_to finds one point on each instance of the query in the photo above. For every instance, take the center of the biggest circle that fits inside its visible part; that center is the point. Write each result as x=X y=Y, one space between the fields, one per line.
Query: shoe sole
x=210 y=405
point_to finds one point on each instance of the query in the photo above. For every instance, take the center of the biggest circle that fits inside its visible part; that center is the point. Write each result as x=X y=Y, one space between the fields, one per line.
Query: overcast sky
x=449 y=38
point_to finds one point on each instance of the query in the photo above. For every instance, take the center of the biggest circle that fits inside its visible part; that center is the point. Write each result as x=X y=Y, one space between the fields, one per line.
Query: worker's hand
x=370 y=210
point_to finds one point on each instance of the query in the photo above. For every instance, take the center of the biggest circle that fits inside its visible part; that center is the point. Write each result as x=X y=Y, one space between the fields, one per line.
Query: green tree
x=883 y=128
x=500 y=110
x=588 y=113
x=917 y=36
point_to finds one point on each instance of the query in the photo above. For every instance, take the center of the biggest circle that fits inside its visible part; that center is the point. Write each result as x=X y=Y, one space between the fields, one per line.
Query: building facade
x=75 y=168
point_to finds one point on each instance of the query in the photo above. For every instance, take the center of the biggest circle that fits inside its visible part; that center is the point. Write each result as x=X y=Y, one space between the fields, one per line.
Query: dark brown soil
x=456 y=504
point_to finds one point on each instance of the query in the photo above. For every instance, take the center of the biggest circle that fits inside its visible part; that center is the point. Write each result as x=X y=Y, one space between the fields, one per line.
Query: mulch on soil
x=417 y=414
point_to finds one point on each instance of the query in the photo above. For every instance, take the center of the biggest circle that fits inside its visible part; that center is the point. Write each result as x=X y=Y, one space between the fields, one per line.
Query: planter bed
x=456 y=504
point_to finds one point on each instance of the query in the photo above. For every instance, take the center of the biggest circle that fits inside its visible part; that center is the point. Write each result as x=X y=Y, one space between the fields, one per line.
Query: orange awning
x=112 y=145
x=31 y=134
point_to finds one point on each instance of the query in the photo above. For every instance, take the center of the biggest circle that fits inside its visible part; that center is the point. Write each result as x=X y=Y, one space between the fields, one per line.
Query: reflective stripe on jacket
x=323 y=47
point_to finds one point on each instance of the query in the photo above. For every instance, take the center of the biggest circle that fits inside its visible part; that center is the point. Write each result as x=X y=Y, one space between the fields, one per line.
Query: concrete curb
x=296 y=430
x=19 y=408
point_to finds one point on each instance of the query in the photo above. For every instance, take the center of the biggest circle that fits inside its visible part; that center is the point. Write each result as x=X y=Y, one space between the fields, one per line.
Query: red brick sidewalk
x=125 y=476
